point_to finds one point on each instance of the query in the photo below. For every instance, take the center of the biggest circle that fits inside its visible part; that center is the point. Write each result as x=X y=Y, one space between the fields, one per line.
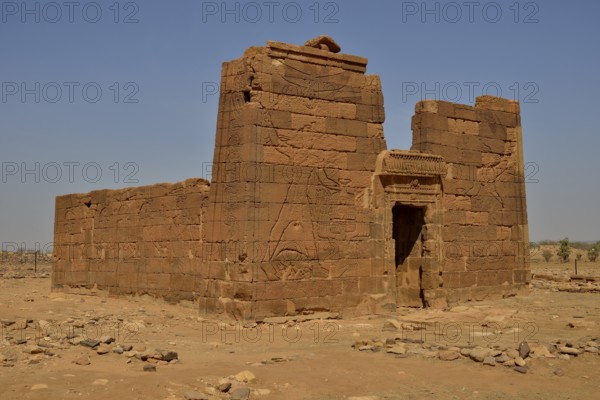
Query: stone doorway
x=407 y=235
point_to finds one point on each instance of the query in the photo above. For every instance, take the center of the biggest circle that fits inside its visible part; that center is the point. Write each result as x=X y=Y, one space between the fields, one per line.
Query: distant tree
x=547 y=254
x=593 y=254
x=564 y=250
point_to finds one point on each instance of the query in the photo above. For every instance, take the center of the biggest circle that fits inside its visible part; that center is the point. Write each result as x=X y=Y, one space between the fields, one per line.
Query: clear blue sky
x=156 y=62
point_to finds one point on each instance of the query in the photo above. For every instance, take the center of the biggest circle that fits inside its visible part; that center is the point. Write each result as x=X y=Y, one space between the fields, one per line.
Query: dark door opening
x=407 y=232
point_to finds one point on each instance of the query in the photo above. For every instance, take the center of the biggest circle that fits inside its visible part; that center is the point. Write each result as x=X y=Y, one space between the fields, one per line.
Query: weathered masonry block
x=308 y=210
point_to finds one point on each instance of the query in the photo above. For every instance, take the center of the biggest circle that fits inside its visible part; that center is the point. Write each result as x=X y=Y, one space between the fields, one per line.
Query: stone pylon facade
x=307 y=210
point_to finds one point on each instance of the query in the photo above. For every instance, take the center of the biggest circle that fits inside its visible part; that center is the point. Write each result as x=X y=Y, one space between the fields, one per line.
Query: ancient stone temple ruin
x=307 y=210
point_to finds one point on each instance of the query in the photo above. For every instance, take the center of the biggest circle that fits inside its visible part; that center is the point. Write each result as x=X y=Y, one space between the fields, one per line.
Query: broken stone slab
x=193 y=395
x=324 y=42
x=33 y=350
x=90 y=343
x=241 y=393
x=569 y=350
x=521 y=369
x=397 y=350
x=447 y=355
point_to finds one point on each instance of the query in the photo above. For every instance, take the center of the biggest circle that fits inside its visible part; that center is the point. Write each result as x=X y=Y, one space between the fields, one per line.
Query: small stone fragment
x=107 y=339
x=388 y=326
x=519 y=362
x=502 y=358
x=512 y=353
x=479 y=354
x=521 y=369
x=491 y=361
x=150 y=368
x=224 y=387
x=446 y=355
x=241 y=393
x=82 y=361
x=169 y=355
x=245 y=376
x=524 y=350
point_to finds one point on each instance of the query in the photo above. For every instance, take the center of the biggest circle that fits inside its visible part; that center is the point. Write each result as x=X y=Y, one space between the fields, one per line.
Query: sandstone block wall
x=299 y=130
x=131 y=241
x=484 y=232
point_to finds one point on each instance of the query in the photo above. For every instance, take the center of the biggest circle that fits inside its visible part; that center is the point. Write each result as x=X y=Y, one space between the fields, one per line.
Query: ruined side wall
x=485 y=234
x=138 y=240
x=299 y=130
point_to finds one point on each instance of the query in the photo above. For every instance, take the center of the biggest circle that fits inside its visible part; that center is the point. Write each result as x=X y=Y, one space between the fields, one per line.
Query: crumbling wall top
x=316 y=56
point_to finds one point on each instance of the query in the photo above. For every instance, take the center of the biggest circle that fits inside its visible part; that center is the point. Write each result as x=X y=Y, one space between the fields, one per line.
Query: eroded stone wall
x=485 y=232
x=132 y=241
x=299 y=130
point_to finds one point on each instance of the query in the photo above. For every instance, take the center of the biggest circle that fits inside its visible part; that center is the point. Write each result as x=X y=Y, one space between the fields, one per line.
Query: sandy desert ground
x=541 y=346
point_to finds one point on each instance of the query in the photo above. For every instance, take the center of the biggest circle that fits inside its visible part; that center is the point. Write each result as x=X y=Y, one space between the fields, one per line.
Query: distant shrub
x=547 y=254
x=564 y=250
